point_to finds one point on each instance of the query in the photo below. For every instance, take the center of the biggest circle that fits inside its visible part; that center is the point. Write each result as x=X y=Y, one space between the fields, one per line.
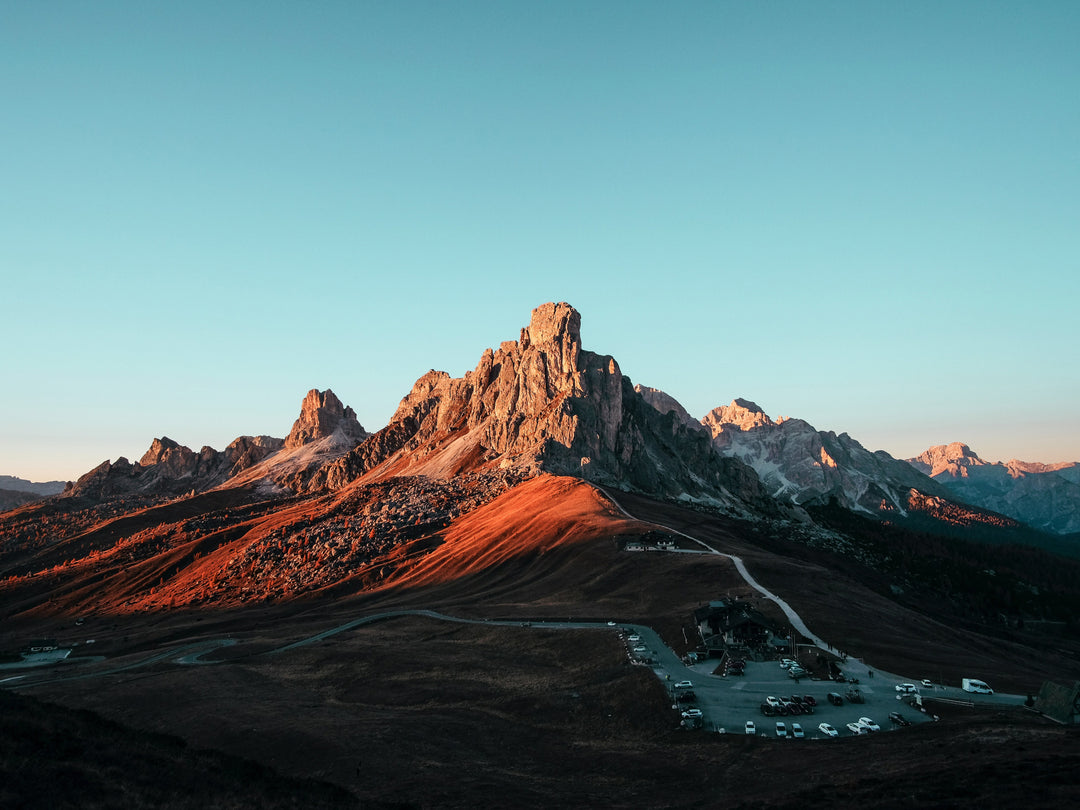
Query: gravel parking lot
x=727 y=702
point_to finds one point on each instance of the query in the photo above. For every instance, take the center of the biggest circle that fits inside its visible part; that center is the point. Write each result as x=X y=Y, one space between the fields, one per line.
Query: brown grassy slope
x=549 y=549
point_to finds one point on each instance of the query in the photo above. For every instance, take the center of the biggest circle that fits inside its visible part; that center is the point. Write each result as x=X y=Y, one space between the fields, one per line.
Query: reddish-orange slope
x=535 y=517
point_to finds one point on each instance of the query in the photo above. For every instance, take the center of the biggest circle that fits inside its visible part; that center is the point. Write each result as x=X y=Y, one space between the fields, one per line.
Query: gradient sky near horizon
x=862 y=214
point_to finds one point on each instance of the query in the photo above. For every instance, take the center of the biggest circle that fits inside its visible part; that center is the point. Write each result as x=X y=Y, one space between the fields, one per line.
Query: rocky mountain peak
x=741 y=414
x=542 y=403
x=954 y=459
x=159 y=449
x=321 y=414
x=169 y=458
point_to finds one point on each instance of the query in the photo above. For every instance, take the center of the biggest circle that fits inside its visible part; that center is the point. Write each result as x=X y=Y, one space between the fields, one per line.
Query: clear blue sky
x=863 y=214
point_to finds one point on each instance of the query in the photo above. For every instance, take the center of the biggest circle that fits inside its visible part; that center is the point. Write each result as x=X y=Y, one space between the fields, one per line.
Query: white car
x=787 y=662
x=828 y=730
x=926 y=682
x=750 y=727
x=796 y=731
x=634 y=637
x=781 y=729
x=684 y=685
x=906 y=687
x=696 y=713
x=869 y=724
x=855 y=728
x=771 y=701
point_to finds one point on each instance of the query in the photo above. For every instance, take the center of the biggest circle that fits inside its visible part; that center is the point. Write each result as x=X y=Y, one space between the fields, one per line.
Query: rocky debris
x=1045 y=497
x=542 y=403
x=802 y=465
x=322 y=415
x=367 y=535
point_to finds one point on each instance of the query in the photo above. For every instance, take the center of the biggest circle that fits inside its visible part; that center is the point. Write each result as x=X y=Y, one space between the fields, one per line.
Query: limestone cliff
x=544 y=403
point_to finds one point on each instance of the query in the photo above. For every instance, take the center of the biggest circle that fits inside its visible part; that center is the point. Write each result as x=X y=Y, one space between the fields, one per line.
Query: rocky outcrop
x=169 y=469
x=1043 y=496
x=321 y=416
x=803 y=465
x=544 y=403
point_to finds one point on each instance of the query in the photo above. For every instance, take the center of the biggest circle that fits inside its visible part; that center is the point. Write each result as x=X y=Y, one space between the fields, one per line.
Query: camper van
x=972 y=685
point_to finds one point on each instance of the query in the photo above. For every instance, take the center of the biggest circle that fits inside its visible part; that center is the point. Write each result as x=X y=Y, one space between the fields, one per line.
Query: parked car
x=634 y=637
x=809 y=700
x=684 y=685
x=906 y=688
x=796 y=731
x=835 y=699
x=773 y=702
x=767 y=710
x=899 y=719
x=750 y=727
x=781 y=729
x=693 y=713
x=791 y=706
x=685 y=697
x=828 y=730
x=785 y=663
x=926 y=682
x=869 y=724
x=856 y=728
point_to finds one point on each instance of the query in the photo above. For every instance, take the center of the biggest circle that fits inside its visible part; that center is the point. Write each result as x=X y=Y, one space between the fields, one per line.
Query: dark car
x=791 y=706
x=767 y=710
x=809 y=700
x=685 y=697
x=835 y=699
x=899 y=719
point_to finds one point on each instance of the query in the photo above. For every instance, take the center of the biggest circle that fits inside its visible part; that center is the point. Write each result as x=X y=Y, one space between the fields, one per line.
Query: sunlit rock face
x=321 y=415
x=953 y=459
x=543 y=402
x=804 y=466
x=1041 y=495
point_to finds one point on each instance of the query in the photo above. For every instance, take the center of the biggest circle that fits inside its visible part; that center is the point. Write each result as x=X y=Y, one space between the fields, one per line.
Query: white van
x=972 y=685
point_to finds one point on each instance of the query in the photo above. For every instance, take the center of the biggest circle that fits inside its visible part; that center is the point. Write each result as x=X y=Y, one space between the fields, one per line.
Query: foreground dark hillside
x=414 y=712
x=55 y=757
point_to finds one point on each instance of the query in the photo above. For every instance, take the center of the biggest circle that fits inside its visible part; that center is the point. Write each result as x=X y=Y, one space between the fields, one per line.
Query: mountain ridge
x=1045 y=496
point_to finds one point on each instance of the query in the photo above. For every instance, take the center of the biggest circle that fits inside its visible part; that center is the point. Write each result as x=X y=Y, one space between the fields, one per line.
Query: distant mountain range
x=44 y=489
x=1046 y=496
